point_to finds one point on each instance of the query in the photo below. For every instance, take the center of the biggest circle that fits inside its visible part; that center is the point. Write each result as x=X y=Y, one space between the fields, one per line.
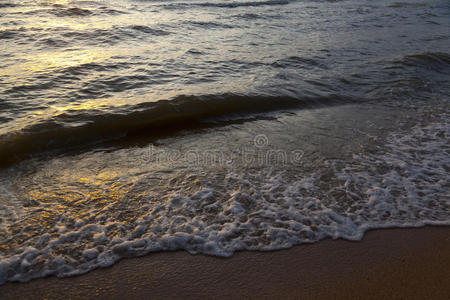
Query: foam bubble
x=403 y=184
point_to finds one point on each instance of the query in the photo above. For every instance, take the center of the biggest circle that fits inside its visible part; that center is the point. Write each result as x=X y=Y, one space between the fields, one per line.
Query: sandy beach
x=389 y=263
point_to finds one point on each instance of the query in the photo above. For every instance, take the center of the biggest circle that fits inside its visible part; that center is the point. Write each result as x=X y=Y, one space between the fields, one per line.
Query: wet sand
x=394 y=263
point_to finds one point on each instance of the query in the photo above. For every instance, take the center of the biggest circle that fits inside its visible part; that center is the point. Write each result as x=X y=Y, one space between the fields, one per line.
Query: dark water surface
x=128 y=127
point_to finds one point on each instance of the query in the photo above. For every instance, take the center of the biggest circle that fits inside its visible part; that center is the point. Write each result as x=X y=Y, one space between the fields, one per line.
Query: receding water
x=128 y=127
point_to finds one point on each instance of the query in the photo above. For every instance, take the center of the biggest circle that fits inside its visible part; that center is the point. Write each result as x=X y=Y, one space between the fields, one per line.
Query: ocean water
x=214 y=126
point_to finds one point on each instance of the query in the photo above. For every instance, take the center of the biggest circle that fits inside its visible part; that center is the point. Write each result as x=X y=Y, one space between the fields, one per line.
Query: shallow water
x=128 y=127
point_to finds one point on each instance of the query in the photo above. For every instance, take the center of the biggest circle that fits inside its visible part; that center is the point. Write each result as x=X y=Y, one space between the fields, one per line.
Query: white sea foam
x=405 y=184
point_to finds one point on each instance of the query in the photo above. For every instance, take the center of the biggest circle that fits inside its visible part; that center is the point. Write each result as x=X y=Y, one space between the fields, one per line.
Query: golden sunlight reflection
x=97 y=104
x=50 y=61
x=75 y=195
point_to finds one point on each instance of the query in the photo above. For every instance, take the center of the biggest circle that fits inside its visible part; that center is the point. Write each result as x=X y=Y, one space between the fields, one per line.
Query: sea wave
x=437 y=61
x=232 y=4
x=72 y=128
x=47 y=38
x=63 y=11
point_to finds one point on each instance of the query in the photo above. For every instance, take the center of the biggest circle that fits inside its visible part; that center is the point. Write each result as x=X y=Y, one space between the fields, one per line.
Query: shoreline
x=399 y=263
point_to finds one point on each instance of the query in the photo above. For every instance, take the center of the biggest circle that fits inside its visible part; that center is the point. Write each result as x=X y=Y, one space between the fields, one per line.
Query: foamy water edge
x=402 y=186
